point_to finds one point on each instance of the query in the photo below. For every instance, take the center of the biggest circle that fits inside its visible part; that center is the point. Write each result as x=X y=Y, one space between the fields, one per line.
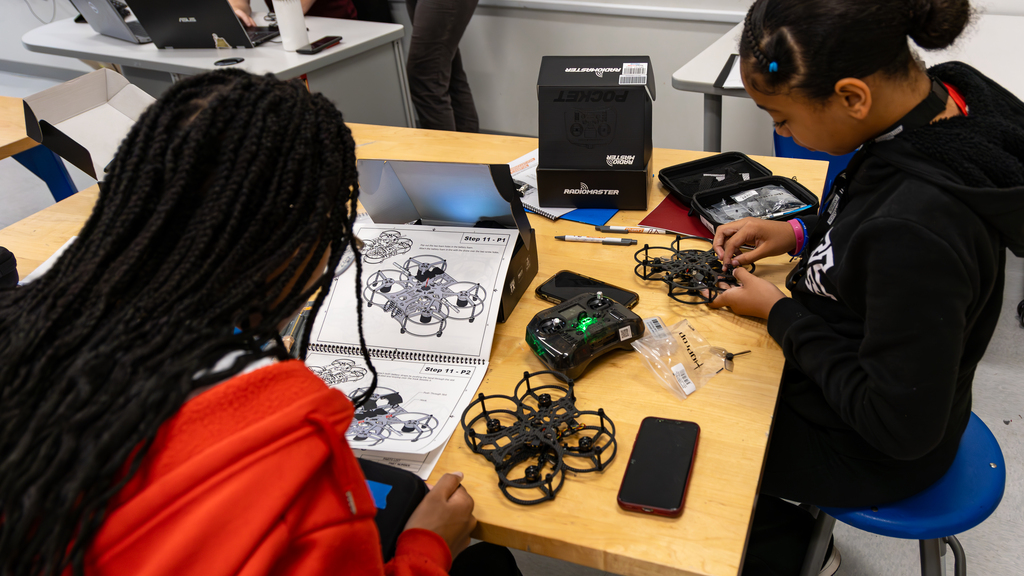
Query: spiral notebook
x=429 y=299
x=524 y=174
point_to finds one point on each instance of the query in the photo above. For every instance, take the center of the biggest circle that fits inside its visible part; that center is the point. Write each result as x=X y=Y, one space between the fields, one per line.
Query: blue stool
x=965 y=496
x=48 y=166
x=787 y=148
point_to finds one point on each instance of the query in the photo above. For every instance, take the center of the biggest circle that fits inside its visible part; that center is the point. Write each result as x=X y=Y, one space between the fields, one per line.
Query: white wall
x=505 y=41
x=1005 y=7
x=502 y=48
x=17 y=19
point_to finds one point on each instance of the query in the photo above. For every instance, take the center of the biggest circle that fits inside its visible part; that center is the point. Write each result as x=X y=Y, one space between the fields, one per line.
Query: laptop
x=104 y=18
x=182 y=24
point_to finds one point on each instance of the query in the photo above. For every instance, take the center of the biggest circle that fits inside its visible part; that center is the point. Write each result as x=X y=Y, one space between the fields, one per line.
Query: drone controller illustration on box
x=422 y=297
x=567 y=337
x=590 y=127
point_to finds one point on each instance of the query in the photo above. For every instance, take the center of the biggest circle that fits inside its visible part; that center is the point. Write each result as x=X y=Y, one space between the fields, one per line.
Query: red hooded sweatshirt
x=254 y=477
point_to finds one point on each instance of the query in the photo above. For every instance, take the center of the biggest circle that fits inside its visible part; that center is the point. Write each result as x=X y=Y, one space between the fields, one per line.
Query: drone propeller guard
x=533 y=437
x=692 y=276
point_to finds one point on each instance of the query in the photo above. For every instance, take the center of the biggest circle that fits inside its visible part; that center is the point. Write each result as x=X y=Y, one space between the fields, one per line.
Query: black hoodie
x=894 y=304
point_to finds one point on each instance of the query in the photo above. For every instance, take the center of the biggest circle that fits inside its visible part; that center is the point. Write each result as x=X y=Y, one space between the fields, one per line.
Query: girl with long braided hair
x=900 y=281
x=150 y=420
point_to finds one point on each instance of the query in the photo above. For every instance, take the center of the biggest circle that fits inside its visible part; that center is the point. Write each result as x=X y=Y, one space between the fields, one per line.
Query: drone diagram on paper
x=418 y=293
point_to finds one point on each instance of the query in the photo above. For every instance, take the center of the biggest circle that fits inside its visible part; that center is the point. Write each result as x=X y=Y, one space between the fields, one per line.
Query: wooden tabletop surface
x=12 y=127
x=584 y=523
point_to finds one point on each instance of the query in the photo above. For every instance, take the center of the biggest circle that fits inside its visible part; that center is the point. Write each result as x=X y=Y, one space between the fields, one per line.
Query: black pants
x=485 y=559
x=803 y=465
x=438 y=84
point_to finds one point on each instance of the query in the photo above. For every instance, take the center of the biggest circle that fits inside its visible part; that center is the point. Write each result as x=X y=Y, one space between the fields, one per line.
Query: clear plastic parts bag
x=769 y=201
x=678 y=356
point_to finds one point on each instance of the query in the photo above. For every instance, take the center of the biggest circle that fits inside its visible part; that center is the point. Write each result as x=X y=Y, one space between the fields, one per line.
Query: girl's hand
x=753 y=297
x=768 y=237
x=446 y=510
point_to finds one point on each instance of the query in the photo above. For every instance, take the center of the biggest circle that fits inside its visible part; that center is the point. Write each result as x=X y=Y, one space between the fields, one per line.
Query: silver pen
x=611 y=241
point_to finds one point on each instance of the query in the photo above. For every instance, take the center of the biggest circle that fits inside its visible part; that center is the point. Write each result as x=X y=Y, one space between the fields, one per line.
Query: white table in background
x=364 y=75
x=992 y=45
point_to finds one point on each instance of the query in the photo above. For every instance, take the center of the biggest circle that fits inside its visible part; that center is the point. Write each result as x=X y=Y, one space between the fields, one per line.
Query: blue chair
x=787 y=148
x=50 y=168
x=965 y=496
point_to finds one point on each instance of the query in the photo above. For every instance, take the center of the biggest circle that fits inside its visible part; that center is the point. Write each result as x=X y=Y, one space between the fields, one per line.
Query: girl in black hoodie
x=900 y=282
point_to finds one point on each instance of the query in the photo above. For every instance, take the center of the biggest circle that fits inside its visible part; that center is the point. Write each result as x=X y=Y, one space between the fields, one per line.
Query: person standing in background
x=437 y=81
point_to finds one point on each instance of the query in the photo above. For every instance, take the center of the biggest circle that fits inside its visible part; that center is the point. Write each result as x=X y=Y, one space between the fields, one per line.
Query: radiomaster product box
x=595 y=131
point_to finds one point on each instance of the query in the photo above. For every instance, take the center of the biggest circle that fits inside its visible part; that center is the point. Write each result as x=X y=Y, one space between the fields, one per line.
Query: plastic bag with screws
x=769 y=201
x=678 y=356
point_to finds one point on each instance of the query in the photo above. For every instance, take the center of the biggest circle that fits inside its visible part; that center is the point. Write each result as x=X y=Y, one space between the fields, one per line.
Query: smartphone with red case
x=658 y=471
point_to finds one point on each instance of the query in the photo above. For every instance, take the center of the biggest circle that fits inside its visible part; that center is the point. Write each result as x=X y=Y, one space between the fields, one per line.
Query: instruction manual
x=524 y=174
x=430 y=297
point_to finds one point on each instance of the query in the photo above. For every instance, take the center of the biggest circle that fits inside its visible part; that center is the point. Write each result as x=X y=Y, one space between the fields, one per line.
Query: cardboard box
x=453 y=194
x=85 y=119
x=595 y=115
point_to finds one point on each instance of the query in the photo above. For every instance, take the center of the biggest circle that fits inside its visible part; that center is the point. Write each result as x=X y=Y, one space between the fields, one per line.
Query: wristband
x=800 y=231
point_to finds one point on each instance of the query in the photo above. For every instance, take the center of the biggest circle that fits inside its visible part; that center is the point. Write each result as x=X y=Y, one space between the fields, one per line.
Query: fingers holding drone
x=753 y=297
x=768 y=237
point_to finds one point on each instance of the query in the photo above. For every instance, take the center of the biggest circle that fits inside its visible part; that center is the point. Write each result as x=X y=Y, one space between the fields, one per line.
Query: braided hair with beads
x=217 y=212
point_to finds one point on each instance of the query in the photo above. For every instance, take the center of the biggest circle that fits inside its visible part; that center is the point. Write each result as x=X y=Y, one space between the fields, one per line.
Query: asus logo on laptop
x=189 y=19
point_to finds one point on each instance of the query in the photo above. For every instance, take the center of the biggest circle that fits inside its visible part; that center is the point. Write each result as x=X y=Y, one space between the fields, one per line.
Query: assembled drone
x=422 y=297
x=537 y=434
x=388 y=244
x=381 y=417
x=692 y=276
x=341 y=371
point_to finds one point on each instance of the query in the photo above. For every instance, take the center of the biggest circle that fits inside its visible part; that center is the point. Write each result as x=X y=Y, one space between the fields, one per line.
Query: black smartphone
x=567 y=285
x=659 y=467
x=319 y=45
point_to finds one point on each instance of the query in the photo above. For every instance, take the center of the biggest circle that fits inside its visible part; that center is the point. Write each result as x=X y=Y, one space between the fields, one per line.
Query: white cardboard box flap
x=85 y=119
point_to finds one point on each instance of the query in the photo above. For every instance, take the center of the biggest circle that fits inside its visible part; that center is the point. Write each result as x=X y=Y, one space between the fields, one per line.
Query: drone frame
x=538 y=437
x=692 y=276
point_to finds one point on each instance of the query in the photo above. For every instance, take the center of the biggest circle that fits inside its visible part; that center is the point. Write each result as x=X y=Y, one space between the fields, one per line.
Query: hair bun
x=936 y=24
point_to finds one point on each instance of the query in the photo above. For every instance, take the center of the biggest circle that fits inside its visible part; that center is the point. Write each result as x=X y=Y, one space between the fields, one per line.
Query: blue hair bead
x=773 y=67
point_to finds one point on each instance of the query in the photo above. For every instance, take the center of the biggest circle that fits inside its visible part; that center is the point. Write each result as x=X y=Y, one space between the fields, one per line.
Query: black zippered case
x=702 y=183
x=702 y=201
x=686 y=179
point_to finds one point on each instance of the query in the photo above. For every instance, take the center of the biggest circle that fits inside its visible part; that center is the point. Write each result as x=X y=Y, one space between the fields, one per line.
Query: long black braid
x=217 y=211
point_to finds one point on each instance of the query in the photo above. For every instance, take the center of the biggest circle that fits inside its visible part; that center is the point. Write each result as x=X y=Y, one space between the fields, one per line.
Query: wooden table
x=584 y=524
x=12 y=128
